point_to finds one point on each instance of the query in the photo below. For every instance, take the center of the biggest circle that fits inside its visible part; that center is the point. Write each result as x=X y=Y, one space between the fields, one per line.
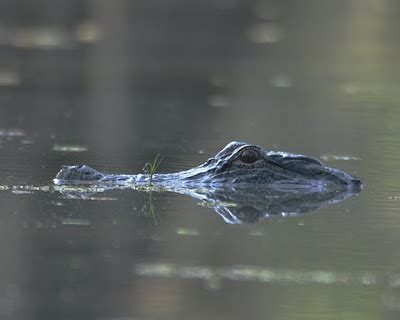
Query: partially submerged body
x=243 y=183
x=238 y=164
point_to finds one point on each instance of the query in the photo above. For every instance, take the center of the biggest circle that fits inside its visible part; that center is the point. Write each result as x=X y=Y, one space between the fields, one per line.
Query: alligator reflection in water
x=234 y=205
x=243 y=183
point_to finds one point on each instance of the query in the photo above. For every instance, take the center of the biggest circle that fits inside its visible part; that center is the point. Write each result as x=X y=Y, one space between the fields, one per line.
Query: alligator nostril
x=356 y=184
x=222 y=167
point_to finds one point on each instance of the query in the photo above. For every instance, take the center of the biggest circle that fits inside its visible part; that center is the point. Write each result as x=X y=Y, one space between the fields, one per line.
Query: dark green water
x=112 y=84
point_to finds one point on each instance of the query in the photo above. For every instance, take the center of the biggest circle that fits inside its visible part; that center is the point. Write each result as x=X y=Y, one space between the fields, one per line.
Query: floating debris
x=76 y=222
x=332 y=157
x=29 y=189
x=69 y=148
x=267 y=275
x=102 y=198
x=187 y=232
x=11 y=133
x=78 y=192
x=16 y=191
x=41 y=38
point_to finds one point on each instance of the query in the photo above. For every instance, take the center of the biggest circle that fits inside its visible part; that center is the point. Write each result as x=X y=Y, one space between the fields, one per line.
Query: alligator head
x=240 y=163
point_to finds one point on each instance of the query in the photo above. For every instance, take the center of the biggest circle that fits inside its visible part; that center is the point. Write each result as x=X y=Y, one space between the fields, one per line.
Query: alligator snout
x=77 y=174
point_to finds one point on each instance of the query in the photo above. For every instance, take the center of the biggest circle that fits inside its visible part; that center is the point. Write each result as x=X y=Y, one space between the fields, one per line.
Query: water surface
x=107 y=86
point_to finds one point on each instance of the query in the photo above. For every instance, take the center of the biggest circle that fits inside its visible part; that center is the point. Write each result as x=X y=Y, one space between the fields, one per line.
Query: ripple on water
x=187 y=232
x=75 y=222
x=41 y=38
x=267 y=275
x=11 y=133
x=69 y=148
x=332 y=157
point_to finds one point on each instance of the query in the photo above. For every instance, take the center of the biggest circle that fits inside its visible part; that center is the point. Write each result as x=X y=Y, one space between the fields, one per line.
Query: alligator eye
x=249 y=156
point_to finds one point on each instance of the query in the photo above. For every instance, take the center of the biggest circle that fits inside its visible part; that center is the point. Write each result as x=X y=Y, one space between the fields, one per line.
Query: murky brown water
x=113 y=83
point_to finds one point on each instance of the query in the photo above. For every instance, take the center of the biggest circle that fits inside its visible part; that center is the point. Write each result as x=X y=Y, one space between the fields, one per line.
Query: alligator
x=243 y=183
x=238 y=164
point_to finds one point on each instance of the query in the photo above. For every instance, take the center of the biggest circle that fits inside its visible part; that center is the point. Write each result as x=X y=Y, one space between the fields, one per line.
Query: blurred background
x=113 y=83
